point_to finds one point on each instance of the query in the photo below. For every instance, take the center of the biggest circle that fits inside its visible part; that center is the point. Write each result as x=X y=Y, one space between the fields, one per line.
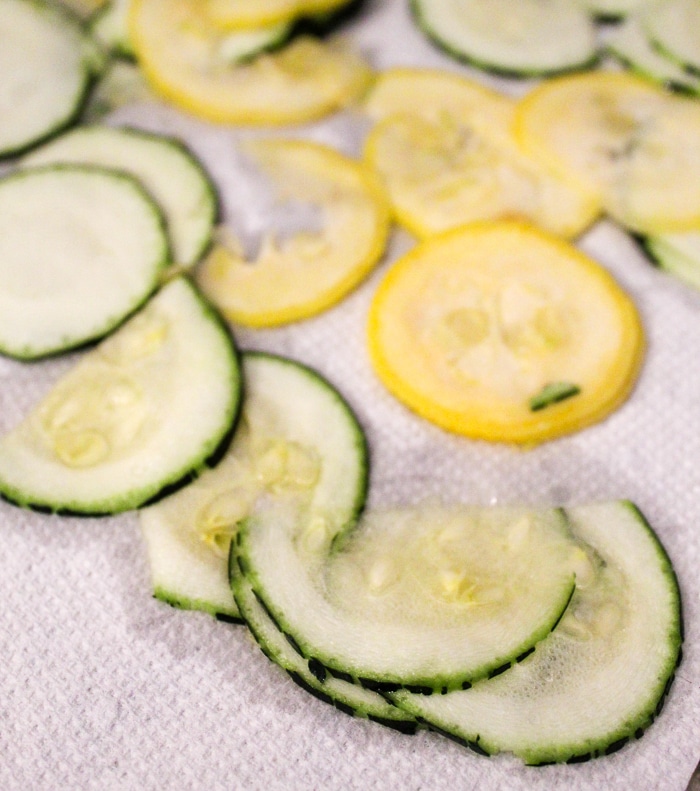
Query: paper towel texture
x=101 y=687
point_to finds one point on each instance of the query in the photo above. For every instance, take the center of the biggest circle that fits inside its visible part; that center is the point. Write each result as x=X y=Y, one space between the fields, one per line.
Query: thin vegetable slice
x=80 y=249
x=674 y=26
x=519 y=38
x=301 y=271
x=185 y=58
x=428 y=598
x=628 y=141
x=298 y=443
x=244 y=15
x=46 y=67
x=137 y=416
x=445 y=151
x=614 y=9
x=169 y=172
x=470 y=326
x=678 y=254
x=599 y=680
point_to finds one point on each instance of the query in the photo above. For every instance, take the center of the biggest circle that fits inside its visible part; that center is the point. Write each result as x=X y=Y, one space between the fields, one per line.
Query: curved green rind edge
x=306 y=674
x=211 y=452
x=112 y=323
x=669 y=260
x=627 y=732
x=497 y=70
x=199 y=605
x=425 y=685
x=92 y=67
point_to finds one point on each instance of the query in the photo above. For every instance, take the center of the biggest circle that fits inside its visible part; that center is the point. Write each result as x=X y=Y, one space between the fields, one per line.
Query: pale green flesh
x=630 y=44
x=297 y=443
x=45 y=72
x=110 y=27
x=80 y=249
x=167 y=170
x=519 y=37
x=613 y=8
x=677 y=254
x=599 y=678
x=349 y=697
x=137 y=415
x=428 y=597
x=674 y=27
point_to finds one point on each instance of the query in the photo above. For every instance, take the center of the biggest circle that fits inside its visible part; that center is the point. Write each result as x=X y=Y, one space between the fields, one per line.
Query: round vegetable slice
x=519 y=38
x=499 y=331
x=184 y=57
x=674 y=26
x=80 y=249
x=625 y=139
x=243 y=15
x=445 y=151
x=298 y=443
x=140 y=414
x=46 y=66
x=429 y=597
x=599 y=679
x=300 y=273
x=168 y=171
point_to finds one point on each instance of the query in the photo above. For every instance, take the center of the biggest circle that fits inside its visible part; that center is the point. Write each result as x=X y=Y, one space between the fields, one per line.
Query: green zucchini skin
x=495 y=69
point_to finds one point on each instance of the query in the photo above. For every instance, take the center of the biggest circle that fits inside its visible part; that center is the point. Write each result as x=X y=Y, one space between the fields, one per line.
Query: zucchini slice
x=138 y=416
x=46 y=68
x=445 y=151
x=429 y=598
x=678 y=254
x=80 y=249
x=517 y=38
x=613 y=10
x=298 y=443
x=314 y=259
x=630 y=44
x=187 y=61
x=629 y=141
x=244 y=15
x=109 y=25
x=169 y=172
x=346 y=696
x=472 y=325
x=674 y=27
x=600 y=678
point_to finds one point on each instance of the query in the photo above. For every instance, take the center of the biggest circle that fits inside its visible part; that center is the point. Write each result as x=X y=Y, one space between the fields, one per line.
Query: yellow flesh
x=444 y=149
x=244 y=14
x=630 y=143
x=469 y=326
x=302 y=274
x=183 y=57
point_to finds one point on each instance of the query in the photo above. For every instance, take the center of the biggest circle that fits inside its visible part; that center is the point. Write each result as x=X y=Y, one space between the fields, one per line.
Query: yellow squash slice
x=185 y=59
x=298 y=275
x=501 y=332
x=624 y=139
x=444 y=148
x=247 y=14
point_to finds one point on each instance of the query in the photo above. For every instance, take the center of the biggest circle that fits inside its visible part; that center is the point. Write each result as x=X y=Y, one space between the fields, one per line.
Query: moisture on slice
x=46 y=67
x=599 y=680
x=169 y=172
x=80 y=249
x=298 y=443
x=137 y=416
x=430 y=597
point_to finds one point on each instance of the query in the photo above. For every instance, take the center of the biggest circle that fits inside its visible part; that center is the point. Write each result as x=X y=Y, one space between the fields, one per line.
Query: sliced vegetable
x=674 y=26
x=244 y=15
x=628 y=141
x=678 y=254
x=46 y=68
x=187 y=60
x=110 y=27
x=445 y=151
x=615 y=9
x=169 y=172
x=301 y=271
x=137 y=416
x=600 y=678
x=80 y=249
x=298 y=443
x=520 y=38
x=469 y=325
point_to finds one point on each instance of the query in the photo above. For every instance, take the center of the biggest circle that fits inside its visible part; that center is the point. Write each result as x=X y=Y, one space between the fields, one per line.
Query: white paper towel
x=101 y=687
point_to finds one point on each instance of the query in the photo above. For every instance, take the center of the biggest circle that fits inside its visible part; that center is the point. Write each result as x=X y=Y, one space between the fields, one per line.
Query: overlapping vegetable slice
x=184 y=56
x=300 y=273
x=502 y=332
x=244 y=15
x=444 y=148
